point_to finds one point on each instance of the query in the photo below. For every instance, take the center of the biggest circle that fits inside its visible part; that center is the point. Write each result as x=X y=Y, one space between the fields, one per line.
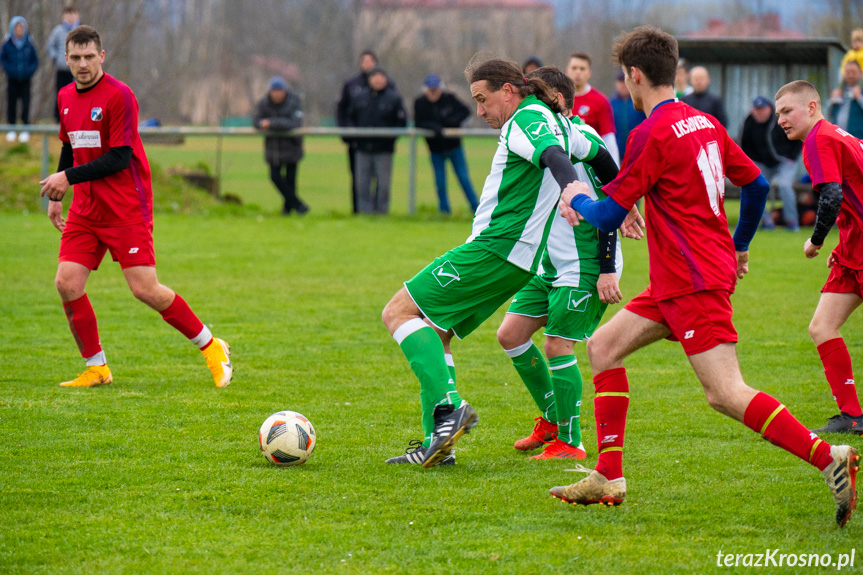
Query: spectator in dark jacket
x=19 y=59
x=775 y=155
x=846 y=102
x=280 y=110
x=378 y=106
x=352 y=88
x=701 y=99
x=436 y=110
x=626 y=117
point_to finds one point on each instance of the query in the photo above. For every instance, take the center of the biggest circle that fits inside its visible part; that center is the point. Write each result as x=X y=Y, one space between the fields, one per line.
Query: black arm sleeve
x=116 y=159
x=603 y=165
x=67 y=160
x=558 y=162
x=607 y=252
x=828 y=209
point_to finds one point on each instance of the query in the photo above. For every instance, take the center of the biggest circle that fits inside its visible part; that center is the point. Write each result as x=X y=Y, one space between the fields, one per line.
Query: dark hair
x=582 y=56
x=365 y=53
x=70 y=10
x=83 y=35
x=557 y=80
x=497 y=72
x=652 y=51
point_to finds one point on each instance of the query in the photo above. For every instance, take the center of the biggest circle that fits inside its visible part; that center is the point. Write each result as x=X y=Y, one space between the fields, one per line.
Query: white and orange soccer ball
x=287 y=438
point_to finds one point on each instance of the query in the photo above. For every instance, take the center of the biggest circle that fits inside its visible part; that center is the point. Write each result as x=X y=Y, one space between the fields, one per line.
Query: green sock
x=424 y=351
x=567 y=383
x=531 y=367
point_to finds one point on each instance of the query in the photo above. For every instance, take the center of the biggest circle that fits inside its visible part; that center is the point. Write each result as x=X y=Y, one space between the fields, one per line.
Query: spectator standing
x=281 y=110
x=352 y=88
x=57 y=49
x=591 y=105
x=436 y=110
x=701 y=99
x=531 y=64
x=846 y=102
x=775 y=155
x=626 y=117
x=379 y=105
x=19 y=60
x=681 y=79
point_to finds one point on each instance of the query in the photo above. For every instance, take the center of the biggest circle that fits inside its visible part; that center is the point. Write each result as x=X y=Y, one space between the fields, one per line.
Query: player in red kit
x=834 y=160
x=677 y=160
x=112 y=210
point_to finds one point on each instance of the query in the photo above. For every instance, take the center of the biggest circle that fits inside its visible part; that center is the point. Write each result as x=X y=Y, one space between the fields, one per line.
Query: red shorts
x=844 y=280
x=699 y=321
x=86 y=244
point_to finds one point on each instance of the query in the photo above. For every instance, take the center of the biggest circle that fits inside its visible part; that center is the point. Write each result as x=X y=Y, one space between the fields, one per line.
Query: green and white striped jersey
x=519 y=198
x=571 y=255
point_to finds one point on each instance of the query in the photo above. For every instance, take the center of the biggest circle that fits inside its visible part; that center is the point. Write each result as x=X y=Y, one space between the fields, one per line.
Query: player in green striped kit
x=577 y=280
x=459 y=290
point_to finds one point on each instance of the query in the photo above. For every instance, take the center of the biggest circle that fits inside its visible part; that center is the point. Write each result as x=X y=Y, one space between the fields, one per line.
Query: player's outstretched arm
x=605 y=215
x=828 y=210
x=753 y=197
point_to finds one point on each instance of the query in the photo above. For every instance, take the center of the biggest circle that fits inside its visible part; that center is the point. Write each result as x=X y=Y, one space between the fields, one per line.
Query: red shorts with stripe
x=699 y=321
x=844 y=280
x=85 y=243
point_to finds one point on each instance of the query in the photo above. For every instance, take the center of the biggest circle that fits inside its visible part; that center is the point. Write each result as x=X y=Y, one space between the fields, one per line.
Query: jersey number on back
x=710 y=164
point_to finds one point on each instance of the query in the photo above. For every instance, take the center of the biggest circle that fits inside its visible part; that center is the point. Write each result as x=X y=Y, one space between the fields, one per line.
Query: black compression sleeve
x=558 y=162
x=828 y=209
x=603 y=165
x=116 y=159
x=67 y=160
x=607 y=252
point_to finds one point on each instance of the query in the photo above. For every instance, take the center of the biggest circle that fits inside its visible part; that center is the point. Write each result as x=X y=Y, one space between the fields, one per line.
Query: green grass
x=161 y=473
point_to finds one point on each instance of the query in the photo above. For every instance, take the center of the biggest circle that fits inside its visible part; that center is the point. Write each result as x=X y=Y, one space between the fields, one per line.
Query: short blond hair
x=800 y=88
x=857 y=34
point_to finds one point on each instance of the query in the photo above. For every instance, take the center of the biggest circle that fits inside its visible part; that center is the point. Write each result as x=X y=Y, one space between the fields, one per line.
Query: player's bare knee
x=597 y=354
x=68 y=287
x=505 y=338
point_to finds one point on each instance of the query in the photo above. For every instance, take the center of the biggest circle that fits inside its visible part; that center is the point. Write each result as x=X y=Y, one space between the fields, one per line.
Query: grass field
x=161 y=473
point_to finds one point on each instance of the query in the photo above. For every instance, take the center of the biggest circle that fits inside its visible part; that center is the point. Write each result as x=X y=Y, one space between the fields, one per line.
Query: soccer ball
x=287 y=438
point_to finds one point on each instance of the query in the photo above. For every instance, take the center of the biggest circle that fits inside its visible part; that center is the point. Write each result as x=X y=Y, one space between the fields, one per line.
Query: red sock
x=182 y=318
x=765 y=415
x=82 y=322
x=837 y=368
x=609 y=408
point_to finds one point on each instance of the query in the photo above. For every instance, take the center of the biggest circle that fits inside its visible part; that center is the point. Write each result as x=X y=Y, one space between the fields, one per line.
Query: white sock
x=98 y=359
x=202 y=338
x=518 y=350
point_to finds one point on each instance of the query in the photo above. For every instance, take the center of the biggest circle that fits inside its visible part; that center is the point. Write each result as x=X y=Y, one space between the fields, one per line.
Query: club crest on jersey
x=96 y=114
x=537 y=130
x=583 y=109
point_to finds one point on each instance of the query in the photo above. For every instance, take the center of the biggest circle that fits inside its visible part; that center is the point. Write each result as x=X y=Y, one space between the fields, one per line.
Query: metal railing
x=51 y=130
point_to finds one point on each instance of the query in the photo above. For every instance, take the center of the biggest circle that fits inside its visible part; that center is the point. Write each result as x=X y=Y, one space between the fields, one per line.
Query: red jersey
x=678 y=159
x=831 y=154
x=93 y=121
x=594 y=109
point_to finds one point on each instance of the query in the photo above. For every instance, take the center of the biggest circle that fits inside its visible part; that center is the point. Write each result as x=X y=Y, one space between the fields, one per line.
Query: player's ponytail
x=497 y=72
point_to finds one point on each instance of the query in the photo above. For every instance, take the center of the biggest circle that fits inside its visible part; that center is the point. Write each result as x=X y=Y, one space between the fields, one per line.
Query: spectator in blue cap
x=776 y=156
x=530 y=65
x=436 y=110
x=279 y=111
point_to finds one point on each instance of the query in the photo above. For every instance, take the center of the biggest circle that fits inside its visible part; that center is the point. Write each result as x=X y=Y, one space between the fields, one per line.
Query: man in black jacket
x=701 y=99
x=378 y=106
x=436 y=110
x=279 y=111
x=352 y=88
x=775 y=155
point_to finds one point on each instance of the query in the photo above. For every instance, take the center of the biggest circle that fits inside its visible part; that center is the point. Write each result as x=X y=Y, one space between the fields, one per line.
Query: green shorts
x=573 y=313
x=464 y=287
